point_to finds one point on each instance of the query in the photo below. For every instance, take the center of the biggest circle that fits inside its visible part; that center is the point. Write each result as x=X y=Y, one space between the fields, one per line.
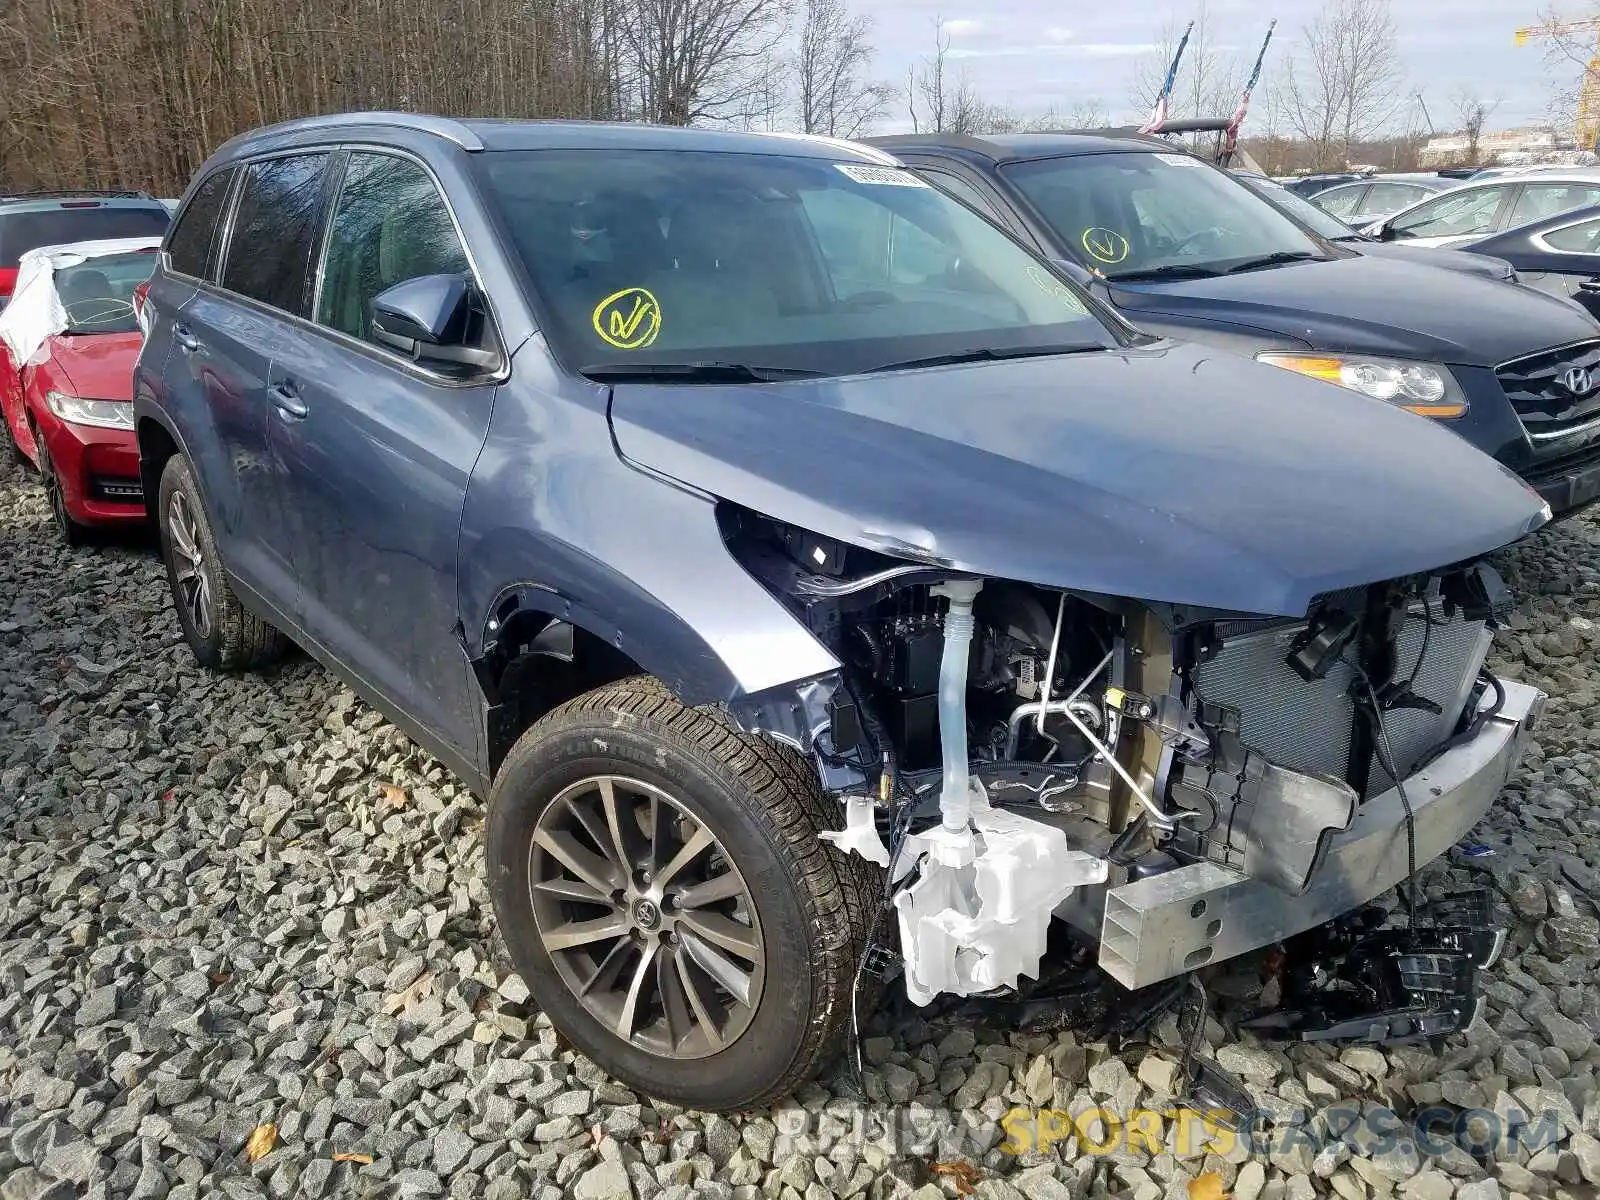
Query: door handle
x=287 y=400
x=187 y=342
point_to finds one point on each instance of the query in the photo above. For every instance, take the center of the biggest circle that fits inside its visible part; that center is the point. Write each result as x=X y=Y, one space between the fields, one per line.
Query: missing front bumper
x=1165 y=925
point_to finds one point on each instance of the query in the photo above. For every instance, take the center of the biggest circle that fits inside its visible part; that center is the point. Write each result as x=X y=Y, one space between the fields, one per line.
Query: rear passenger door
x=226 y=338
x=374 y=452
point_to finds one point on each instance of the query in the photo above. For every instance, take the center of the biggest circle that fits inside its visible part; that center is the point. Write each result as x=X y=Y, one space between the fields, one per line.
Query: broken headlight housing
x=1428 y=389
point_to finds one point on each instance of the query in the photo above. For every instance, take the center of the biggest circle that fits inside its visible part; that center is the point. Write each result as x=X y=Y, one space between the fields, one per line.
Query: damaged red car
x=70 y=337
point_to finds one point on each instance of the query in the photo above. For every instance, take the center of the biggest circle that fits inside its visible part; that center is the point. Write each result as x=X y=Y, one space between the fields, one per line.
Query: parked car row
x=828 y=555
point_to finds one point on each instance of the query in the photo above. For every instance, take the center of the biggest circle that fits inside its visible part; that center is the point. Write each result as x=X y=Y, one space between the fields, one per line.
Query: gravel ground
x=232 y=902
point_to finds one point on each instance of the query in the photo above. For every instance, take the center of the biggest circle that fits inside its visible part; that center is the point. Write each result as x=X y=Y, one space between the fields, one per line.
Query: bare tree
x=1473 y=111
x=949 y=103
x=1345 y=83
x=696 y=60
x=835 y=97
x=1085 y=114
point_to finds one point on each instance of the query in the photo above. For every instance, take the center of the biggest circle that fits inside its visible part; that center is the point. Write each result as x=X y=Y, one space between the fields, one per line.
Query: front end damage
x=1173 y=786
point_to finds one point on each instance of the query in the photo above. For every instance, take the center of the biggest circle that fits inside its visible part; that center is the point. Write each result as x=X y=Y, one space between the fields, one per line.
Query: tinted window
x=1582 y=238
x=189 y=247
x=274 y=228
x=799 y=263
x=24 y=231
x=390 y=225
x=1129 y=214
x=1541 y=200
x=1455 y=214
x=1340 y=201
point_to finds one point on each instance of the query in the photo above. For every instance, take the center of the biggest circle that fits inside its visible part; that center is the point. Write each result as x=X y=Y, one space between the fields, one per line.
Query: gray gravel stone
x=450 y=1150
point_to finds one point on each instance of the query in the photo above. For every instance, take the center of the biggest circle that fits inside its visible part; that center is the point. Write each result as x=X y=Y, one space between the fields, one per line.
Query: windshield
x=1317 y=220
x=97 y=294
x=1150 y=213
x=791 y=264
x=24 y=231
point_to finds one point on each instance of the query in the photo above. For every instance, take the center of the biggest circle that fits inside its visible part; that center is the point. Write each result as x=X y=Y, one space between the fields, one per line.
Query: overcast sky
x=1031 y=55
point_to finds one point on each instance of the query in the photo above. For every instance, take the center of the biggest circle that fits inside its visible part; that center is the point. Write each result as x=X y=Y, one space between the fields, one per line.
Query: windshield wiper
x=1170 y=271
x=693 y=372
x=1277 y=259
x=984 y=354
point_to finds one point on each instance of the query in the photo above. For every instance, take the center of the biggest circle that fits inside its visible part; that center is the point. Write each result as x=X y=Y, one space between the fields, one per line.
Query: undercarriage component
x=1354 y=981
x=969 y=927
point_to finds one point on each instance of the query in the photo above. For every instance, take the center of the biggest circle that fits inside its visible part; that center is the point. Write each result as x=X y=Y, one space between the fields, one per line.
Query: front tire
x=224 y=635
x=71 y=533
x=658 y=880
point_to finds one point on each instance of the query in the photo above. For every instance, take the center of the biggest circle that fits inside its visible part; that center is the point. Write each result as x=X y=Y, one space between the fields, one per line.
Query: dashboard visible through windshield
x=1153 y=215
x=708 y=266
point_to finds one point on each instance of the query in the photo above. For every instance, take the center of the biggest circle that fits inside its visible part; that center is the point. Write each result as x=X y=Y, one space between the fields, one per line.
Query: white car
x=1477 y=210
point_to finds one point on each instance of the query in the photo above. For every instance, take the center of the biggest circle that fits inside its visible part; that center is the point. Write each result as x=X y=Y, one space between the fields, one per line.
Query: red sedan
x=70 y=338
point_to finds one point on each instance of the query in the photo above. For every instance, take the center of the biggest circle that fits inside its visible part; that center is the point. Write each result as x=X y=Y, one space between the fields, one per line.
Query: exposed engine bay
x=1169 y=782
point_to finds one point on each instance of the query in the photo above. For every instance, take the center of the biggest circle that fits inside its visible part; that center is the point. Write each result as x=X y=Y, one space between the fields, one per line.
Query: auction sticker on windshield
x=629 y=319
x=1107 y=245
x=1180 y=160
x=886 y=176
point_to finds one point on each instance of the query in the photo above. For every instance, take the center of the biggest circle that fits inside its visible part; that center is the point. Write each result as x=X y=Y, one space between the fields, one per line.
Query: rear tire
x=224 y=635
x=624 y=781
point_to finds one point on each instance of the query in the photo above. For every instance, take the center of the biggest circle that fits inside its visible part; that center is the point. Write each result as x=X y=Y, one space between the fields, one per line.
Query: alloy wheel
x=190 y=571
x=647 y=920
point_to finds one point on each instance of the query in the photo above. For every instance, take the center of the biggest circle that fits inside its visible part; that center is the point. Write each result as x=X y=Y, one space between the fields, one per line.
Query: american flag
x=1158 y=115
x=1244 y=100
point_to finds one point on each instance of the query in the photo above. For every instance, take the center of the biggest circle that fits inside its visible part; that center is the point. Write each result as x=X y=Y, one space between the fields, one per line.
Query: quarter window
x=1582 y=238
x=189 y=247
x=274 y=230
x=390 y=225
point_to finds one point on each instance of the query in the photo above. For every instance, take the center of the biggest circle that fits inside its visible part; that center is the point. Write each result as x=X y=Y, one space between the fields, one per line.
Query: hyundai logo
x=1577 y=382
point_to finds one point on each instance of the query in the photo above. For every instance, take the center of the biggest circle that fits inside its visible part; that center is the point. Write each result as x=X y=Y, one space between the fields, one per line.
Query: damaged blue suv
x=813 y=578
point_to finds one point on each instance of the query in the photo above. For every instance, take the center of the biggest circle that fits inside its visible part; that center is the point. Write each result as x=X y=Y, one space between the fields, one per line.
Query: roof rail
x=445 y=127
x=74 y=193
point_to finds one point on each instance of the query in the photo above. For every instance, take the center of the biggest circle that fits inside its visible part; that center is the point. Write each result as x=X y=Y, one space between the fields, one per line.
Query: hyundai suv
x=1182 y=249
x=820 y=585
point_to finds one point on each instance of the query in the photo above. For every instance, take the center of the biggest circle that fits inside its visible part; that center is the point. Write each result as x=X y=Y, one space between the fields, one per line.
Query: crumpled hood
x=1172 y=473
x=98 y=365
x=1375 y=305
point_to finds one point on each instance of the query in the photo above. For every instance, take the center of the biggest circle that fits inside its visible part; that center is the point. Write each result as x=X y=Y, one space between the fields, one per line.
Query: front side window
x=804 y=264
x=390 y=224
x=1582 y=238
x=189 y=246
x=1150 y=214
x=275 y=226
x=97 y=294
x=1308 y=214
x=1341 y=201
x=1455 y=214
x=1541 y=200
x=963 y=191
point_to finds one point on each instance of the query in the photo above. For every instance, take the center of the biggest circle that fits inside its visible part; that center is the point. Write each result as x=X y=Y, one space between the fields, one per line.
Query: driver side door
x=375 y=451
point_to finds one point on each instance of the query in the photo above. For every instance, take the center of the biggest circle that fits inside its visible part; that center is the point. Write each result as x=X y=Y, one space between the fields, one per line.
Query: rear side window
x=390 y=225
x=1341 y=202
x=24 y=231
x=1582 y=238
x=189 y=247
x=275 y=227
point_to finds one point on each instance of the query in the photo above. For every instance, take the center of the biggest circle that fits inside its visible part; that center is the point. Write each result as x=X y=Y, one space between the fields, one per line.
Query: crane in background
x=1587 y=124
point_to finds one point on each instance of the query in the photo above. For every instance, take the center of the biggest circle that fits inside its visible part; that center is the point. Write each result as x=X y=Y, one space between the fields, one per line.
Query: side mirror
x=426 y=319
x=1383 y=231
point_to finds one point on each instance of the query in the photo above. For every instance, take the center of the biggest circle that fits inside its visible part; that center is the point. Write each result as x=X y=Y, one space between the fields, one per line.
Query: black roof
x=1010 y=147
